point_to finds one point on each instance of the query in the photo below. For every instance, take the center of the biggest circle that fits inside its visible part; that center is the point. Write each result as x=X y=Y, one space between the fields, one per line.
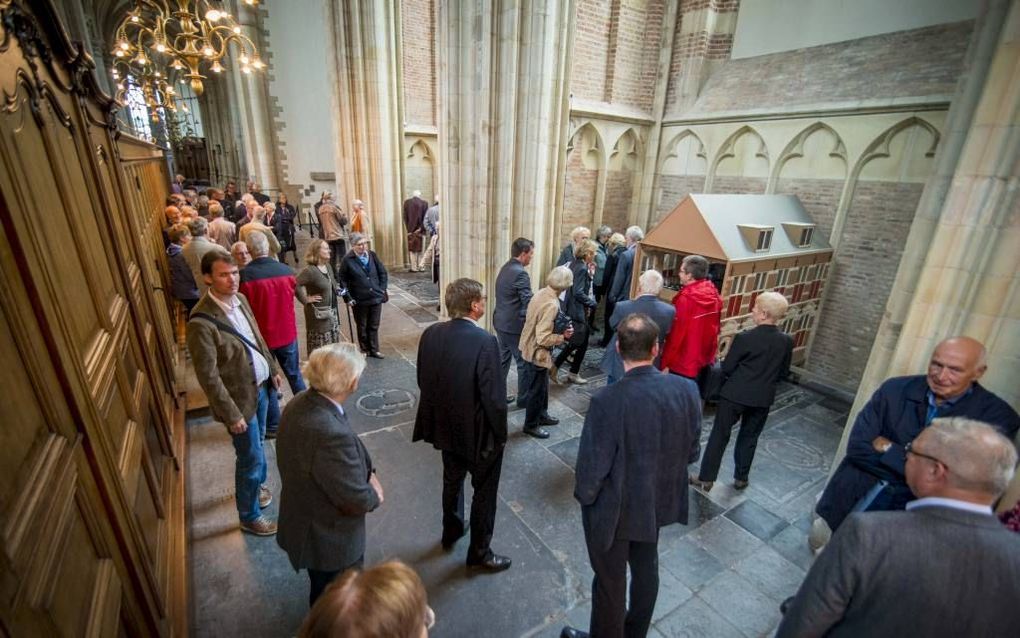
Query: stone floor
x=724 y=574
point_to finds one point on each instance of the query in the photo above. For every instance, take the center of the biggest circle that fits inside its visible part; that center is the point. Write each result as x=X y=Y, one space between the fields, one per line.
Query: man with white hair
x=359 y=218
x=414 y=219
x=257 y=224
x=195 y=249
x=944 y=567
x=647 y=303
x=577 y=236
x=620 y=288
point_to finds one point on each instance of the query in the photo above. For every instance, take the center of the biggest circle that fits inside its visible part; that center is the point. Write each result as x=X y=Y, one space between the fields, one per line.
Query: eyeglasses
x=430 y=618
x=909 y=449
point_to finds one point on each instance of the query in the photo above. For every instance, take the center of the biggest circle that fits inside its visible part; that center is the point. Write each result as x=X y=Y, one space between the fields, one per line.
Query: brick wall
x=863 y=272
x=820 y=198
x=734 y=184
x=418 y=33
x=674 y=189
x=578 y=196
x=693 y=44
x=591 y=50
x=619 y=190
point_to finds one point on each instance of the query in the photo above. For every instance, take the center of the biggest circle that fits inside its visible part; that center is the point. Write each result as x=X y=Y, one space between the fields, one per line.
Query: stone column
x=959 y=271
x=365 y=75
x=503 y=123
x=252 y=106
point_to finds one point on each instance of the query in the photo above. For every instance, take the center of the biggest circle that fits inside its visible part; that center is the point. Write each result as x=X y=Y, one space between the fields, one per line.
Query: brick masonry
x=579 y=196
x=418 y=43
x=731 y=184
x=820 y=198
x=692 y=46
x=619 y=190
x=862 y=275
x=674 y=189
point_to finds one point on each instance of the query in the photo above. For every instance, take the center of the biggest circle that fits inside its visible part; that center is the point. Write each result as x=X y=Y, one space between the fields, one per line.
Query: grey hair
x=332 y=368
x=635 y=234
x=416 y=194
x=577 y=232
x=258 y=245
x=772 y=304
x=650 y=282
x=603 y=231
x=198 y=226
x=979 y=458
x=559 y=278
x=258 y=213
x=355 y=238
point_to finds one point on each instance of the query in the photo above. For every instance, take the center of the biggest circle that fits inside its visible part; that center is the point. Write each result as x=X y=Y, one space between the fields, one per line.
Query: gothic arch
x=626 y=151
x=673 y=144
x=421 y=149
x=795 y=149
x=879 y=147
x=727 y=150
x=589 y=136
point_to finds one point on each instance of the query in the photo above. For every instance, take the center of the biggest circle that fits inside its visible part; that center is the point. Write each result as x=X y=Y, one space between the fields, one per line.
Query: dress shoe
x=740 y=485
x=449 y=541
x=261 y=526
x=570 y=632
x=376 y=355
x=537 y=432
x=545 y=419
x=554 y=375
x=491 y=563
x=576 y=378
x=265 y=496
x=704 y=486
x=785 y=605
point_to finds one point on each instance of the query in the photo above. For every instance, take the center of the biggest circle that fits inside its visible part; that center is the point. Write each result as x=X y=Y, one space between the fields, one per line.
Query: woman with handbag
x=319 y=284
x=538 y=337
x=577 y=304
x=283 y=227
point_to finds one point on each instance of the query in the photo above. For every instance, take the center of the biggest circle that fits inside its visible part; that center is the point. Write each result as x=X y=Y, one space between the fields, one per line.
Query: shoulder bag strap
x=225 y=327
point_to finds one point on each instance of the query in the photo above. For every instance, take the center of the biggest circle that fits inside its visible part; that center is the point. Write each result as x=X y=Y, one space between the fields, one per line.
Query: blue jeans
x=289 y=360
x=250 y=468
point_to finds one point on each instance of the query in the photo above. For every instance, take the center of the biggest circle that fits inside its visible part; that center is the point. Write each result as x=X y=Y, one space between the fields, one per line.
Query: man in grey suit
x=620 y=290
x=647 y=302
x=513 y=292
x=944 y=567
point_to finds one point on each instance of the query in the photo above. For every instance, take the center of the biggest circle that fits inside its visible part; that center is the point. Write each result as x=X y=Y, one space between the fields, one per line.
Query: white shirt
x=338 y=406
x=938 y=501
x=467 y=318
x=232 y=309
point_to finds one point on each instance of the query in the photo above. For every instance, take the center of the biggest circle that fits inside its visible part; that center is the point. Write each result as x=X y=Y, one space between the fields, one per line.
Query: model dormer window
x=758 y=238
x=799 y=234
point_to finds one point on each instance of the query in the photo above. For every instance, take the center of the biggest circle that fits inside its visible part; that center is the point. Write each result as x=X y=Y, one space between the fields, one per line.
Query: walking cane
x=344 y=296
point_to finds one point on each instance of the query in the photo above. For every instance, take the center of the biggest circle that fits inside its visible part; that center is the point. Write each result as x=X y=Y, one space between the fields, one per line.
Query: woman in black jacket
x=365 y=278
x=614 y=248
x=283 y=228
x=578 y=303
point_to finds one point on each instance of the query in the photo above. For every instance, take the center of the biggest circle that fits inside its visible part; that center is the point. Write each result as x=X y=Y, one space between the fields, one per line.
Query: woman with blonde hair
x=385 y=601
x=578 y=303
x=319 y=283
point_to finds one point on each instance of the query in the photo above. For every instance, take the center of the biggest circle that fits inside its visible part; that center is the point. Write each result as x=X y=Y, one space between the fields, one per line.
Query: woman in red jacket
x=694 y=338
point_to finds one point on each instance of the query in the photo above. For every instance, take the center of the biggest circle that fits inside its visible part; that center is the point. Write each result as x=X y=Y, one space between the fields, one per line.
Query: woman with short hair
x=365 y=278
x=283 y=227
x=328 y=483
x=578 y=303
x=321 y=323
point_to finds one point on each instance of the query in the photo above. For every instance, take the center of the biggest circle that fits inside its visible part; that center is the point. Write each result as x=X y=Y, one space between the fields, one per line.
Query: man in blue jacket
x=639 y=436
x=871 y=476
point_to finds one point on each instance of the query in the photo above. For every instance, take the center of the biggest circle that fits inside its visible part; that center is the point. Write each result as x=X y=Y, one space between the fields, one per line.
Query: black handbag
x=561 y=322
x=710 y=380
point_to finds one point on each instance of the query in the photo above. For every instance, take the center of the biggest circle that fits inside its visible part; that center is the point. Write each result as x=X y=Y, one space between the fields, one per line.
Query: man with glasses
x=871 y=476
x=945 y=567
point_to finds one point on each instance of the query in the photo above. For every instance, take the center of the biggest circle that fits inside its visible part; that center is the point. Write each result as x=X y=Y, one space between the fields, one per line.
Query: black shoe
x=570 y=632
x=785 y=605
x=545 y=419
x=376 y=355
x=491 y=563
x=449 y=541
x=510 y=398
x=537 y=432
x=270 y=435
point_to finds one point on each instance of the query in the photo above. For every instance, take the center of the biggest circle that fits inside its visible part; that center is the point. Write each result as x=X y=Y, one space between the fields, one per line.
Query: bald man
x=870 y=477
x=945 y=567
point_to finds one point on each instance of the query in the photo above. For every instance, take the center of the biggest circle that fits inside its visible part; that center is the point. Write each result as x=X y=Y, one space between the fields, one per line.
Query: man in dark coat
x=638 y=437
x=620 y=288
x=513 y=292
x=870 y=477
x=647 y=303
x=414 y=219
x=462 y=412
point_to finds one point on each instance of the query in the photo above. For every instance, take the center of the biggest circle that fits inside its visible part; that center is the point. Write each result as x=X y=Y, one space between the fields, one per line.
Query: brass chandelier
x=191 y=35
x=157 y=90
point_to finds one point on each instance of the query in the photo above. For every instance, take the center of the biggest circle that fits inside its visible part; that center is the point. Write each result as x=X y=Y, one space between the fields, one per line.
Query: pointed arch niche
x=419 y=169
x=741 y=165
x=584 y=173
x=813 y=166
x=682 y=172
x=622 y=170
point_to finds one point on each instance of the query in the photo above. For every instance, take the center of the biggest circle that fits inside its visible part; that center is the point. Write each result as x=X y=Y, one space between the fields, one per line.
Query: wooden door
x=91 y=489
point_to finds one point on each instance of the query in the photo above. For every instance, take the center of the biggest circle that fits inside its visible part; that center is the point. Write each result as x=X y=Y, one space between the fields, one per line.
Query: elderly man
x=414 y=218
x=577 y=237
x=221 y=231
x=694 y=338
x=239 y=251
x=513 y=292
x=619 y=290
x=647 y=303
x=359 y=217
x=196 y=249
x=945 y=567
x=870 y=477
x=462 y=412
x=257 y=225
x=235 y=368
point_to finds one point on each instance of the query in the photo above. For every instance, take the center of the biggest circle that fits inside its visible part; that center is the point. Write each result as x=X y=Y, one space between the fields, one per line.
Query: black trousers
x=610 y=616
x=535 y=387
x=510 y=350
x=577 y=352
x=319 y=580
x=752 y=420
x=485 y=482
x=607 y=331
x=367 y=319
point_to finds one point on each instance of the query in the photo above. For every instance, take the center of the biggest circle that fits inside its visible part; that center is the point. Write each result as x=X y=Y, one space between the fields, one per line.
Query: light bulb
x=245 y=69
x=118 y=53
x=177 y=65
x=243 y=59
x=217 y=67
x=237 y=29
x=120 y=86
x=114 y=73
x=160 y=47
x=257 y=63
x=157 y=74
x=208 y=51
x=134 y=18
x=185 y=107
x=123 y=44
x=212 y=15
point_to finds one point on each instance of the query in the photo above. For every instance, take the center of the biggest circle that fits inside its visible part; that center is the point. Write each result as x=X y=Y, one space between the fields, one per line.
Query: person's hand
x=881 y=444
x=238 y=427
x=277 y=381
x=314 y=298
x=374 y=482
x=591 y=268
x=569 y=332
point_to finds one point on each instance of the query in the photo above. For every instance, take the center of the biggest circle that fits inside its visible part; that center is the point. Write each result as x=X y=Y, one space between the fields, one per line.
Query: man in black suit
x=944 y=567
x=620 y=289
x=513 y=292
x=462 y=412
x=638 y=437
x=648 y=303
x=755 y=363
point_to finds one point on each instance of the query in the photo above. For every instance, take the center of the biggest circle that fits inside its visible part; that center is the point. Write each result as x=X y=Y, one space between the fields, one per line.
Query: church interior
x=879 y=140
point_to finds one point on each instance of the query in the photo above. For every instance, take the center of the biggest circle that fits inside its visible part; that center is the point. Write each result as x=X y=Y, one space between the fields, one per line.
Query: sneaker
x=261 y=526
x=576 y=378
x=265 y=496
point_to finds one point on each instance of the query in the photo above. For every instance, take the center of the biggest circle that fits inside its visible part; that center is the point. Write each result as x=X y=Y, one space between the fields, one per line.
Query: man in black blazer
x=945 y=567
x=462 y=412
x=638 y=437
x=513 y=292
x=648 y=303
x=755 y=363
x=620 y=290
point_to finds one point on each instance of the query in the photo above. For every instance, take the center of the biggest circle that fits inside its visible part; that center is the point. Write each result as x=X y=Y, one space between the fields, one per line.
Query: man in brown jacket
x=235 y=368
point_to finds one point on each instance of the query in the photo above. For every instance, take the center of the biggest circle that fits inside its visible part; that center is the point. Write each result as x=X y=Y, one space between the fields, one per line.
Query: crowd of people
x=928 y=456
